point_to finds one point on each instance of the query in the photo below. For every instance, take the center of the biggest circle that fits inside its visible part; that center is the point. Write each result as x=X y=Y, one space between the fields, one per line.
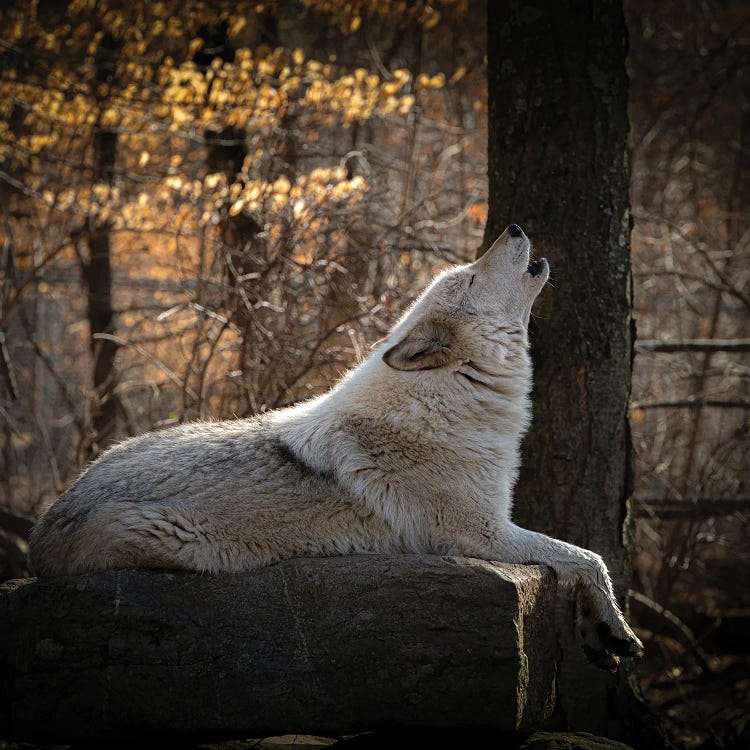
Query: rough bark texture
x=557 y=166
x=327 y=646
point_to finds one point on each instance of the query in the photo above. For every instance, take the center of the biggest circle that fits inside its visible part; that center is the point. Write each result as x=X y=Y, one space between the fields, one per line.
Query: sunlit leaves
x=351 y=14
x=156 y=90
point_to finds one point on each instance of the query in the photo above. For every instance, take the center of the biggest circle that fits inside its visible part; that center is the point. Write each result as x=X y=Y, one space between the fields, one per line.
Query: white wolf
x=414 y=451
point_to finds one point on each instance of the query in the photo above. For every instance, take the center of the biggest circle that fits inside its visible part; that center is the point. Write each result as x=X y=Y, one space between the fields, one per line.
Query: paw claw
x=601 y=659
x=624 y=647
x=629 y=646
x=605 y=635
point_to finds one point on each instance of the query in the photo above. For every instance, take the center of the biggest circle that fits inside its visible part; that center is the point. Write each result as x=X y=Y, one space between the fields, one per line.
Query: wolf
x=416 y=450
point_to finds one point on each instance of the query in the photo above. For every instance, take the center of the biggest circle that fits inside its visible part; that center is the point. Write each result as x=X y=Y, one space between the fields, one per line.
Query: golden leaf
x=282 y=185
x=458 y=75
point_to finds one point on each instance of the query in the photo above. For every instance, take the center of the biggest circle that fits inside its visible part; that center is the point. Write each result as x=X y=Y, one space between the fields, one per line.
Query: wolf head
x=470 y=315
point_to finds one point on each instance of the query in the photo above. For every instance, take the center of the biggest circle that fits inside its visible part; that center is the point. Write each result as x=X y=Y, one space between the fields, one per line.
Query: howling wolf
x=416 y=450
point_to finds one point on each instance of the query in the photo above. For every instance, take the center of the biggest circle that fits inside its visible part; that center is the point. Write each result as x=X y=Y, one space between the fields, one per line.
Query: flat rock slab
x=316 y=646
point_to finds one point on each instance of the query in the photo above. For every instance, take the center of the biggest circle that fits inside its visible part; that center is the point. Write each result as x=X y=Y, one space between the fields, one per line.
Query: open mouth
x=536 y=266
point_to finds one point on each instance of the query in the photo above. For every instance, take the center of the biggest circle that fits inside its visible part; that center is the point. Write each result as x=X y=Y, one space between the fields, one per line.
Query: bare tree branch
x=693 y=345
x=690 y=402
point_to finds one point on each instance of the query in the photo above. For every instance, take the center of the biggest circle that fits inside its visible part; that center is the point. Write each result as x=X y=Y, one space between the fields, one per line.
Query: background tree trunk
x=557 y=166
x=97 y=270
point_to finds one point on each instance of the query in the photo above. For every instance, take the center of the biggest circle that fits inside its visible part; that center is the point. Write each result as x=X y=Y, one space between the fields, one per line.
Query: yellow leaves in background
x=259 y=88
x=303 y=200
x=35 y=143
x=304 y=255
x=431 y=82
x=282 y=186
x=237 y=23
x=110 y=117
x=304 y=197
x=194 y=46
x=360 y=95
x=477 y=212
x=430 y=17
x=160 y=104
x=183 y=84
x=350 y=15
x=212 y=181
x=457 y=75
x=150 y=92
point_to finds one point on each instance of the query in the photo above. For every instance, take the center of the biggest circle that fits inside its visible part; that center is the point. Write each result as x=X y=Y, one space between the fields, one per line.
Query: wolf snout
x=515 y=231
x=538 y=267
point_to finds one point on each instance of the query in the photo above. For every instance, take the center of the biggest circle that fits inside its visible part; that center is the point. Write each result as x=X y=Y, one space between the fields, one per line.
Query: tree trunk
x=97 y=272
x=97 y=275
x=557 y=166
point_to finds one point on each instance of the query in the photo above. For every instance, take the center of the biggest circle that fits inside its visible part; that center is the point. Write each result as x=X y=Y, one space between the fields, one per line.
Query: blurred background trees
x=690 y=192
x=210 y=209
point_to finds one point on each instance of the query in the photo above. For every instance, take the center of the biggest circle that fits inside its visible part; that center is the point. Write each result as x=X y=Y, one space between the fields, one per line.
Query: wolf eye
x=471 y=281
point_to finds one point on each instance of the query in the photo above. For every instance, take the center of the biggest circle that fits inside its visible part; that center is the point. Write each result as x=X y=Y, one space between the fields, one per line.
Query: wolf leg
x=602 y=627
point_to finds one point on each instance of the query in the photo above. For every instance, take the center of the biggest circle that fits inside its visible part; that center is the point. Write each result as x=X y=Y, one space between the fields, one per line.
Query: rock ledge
x=316 y=646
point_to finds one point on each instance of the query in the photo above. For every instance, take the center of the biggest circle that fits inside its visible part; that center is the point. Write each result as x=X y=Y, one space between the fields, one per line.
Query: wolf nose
x=515 y=230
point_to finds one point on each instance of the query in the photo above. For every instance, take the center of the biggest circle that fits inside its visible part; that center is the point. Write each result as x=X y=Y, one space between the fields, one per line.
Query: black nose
x=515 y=230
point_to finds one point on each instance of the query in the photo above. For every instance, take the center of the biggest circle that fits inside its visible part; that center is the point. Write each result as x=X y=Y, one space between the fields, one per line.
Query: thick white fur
x=415 y=450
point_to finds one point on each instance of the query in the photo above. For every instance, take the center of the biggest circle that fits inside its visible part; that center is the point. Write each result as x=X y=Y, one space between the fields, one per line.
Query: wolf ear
x=425 y=347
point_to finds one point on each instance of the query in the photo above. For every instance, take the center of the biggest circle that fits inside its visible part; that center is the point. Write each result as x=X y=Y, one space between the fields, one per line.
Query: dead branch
x=690 y=507
x=693 y=345
x=689 y=403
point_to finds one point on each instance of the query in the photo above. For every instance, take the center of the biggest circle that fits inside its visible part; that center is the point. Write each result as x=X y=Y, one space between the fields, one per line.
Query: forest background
x=212 y=209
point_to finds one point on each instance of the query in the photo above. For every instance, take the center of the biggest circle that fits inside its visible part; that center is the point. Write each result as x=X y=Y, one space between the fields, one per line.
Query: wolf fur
x=414 y=451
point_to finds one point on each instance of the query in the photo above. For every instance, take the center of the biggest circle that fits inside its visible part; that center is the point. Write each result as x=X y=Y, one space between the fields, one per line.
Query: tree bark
x=327 y=646
x=557 y=166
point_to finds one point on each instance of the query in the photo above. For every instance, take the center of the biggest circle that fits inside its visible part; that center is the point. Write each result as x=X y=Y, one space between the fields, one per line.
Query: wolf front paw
x=606 y=637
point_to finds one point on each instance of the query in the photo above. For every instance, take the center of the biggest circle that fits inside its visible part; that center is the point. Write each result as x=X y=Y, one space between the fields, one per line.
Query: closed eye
x=472 y=279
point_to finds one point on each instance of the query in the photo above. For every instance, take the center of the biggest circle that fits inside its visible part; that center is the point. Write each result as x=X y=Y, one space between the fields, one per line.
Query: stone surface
x=451 y=739
x=570 y=741
x=317 y=646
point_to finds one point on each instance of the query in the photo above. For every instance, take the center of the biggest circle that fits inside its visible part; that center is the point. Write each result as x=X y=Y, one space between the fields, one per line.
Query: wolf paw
x=605 y=642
